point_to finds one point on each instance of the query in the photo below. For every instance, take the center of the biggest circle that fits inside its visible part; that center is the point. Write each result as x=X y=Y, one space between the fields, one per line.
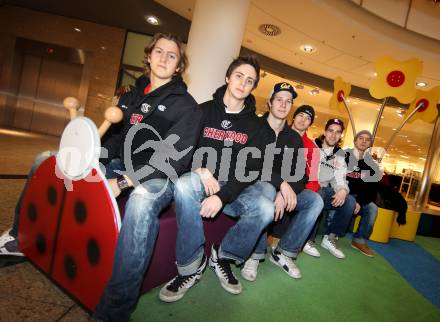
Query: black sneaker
x=175 y=289
x=9 y=245
x=222 y=268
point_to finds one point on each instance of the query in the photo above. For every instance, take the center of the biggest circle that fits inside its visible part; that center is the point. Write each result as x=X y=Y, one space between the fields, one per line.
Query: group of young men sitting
x=261 y=170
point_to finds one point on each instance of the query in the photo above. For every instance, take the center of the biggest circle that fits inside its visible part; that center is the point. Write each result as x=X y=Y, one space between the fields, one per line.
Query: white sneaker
x=330 y=245
x=222 y=268
x=9 y=245
x=250 y=269
x=310 y=249
x=175 y=289
x=286 y=263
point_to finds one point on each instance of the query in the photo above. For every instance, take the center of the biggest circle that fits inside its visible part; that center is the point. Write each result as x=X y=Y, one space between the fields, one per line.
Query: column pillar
x=214 y=40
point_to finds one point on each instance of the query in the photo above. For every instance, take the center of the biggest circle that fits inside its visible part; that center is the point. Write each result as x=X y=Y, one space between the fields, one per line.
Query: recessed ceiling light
x=421 y=84
x=77 y=29
x=152 y=20
x=103 y=48
x=308 y=48
x=314 y=91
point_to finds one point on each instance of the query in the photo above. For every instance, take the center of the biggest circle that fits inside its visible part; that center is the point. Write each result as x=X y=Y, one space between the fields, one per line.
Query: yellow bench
x=386 y=226
x=408 y=231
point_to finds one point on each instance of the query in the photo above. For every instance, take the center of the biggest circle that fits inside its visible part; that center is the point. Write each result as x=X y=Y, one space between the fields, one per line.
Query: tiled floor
x=25 y=293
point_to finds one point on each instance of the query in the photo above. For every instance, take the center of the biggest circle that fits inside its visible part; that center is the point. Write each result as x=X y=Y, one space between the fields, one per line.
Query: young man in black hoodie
x=152 y=148
x=230 y=132
x=363 y=175
x=289 y=168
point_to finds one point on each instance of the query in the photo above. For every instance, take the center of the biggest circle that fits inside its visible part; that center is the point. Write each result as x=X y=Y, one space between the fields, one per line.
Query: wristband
x=122 y=183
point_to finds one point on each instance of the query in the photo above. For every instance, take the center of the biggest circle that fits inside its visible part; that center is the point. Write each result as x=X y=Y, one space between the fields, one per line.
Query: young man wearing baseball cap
x=334 y=188
x=289 y=181
x=363 y=175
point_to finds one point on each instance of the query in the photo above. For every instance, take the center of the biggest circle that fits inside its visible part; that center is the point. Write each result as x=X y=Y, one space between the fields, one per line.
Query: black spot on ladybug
x=52 y=195
x=32 y=212
x=70 y=267
x=93 y=252
x=41 y=243
x=80 y=212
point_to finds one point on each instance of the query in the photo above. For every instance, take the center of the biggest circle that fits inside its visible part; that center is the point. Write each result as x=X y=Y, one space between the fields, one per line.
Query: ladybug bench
x=69 y=220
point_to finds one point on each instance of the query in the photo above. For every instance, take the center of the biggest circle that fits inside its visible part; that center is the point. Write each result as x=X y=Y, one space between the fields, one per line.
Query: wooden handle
x=72 y=105
x=112 y=115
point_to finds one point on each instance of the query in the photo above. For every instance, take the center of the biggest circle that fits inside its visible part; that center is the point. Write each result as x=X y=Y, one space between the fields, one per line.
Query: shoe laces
x=179 y=281
x=311 y=244
x=225 y=269
x=251 y=264
x=333 y=243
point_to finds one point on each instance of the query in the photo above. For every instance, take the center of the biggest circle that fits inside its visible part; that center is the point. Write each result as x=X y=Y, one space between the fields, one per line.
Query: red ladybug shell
x=79 y=231
x=39 y=215
x=88 y=235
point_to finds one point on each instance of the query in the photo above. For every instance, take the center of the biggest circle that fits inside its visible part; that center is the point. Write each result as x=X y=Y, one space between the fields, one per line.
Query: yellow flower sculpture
x=340 y=89
x=396 y=79
x=428 y=112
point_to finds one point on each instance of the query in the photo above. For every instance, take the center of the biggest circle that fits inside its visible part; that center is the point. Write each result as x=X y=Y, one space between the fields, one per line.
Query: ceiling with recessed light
x=345 y=38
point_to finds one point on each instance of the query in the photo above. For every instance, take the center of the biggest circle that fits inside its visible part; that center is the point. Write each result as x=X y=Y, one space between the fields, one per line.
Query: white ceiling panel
x=424 y=18
x=346 y=62
x=394 y=11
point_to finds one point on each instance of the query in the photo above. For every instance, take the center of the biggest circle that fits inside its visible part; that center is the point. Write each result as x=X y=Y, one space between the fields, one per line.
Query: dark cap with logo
x=283 y=87
x=307 y=109
x=335 y=121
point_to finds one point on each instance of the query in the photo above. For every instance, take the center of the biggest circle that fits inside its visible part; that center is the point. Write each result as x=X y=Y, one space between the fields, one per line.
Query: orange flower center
x=340 y=95
x=395 y=78
x=425 y=104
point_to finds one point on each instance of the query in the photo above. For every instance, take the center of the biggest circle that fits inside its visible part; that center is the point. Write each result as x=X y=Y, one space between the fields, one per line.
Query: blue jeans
x=368 y=215
x=37 y=162
x=134 y=247
x=254 y=206
x=308 y=207
x=341 y=216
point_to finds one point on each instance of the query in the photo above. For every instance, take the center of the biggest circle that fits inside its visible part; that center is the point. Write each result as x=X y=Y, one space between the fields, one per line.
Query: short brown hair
x=183 y=60
x=245 y=60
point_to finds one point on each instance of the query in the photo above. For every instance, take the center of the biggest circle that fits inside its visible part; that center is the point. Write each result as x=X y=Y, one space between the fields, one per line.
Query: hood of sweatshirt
x=249 y=104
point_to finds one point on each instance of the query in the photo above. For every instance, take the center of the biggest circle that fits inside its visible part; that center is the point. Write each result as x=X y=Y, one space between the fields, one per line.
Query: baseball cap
x=334 y=121
x=284 y=86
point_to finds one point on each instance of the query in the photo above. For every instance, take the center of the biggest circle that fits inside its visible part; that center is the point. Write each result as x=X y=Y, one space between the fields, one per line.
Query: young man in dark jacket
x=363 y=175
x=226 y=179
x=289 y=168
x=153 y=147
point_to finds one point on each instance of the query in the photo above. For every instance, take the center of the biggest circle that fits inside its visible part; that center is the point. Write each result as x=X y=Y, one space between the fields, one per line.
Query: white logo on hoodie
x=226 y=124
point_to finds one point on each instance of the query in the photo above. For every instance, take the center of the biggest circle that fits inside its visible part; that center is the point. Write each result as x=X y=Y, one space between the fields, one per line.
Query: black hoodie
x=228 y=134
x=286 y=139
x=169 y=109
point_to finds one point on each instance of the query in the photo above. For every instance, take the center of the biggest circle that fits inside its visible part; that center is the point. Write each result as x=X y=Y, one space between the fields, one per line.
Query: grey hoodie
x=332 y=168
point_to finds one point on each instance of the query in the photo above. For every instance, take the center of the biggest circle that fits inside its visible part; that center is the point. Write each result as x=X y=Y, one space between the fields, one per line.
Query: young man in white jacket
x=334 y=188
